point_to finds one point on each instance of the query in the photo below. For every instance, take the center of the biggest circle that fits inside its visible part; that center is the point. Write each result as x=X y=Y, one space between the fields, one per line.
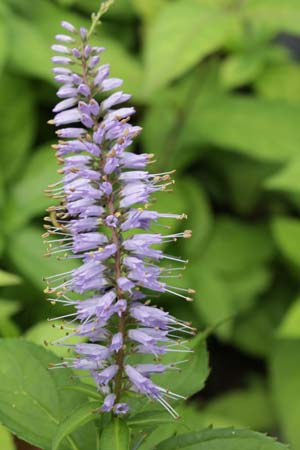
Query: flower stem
x=96 y=17
x=122 y=320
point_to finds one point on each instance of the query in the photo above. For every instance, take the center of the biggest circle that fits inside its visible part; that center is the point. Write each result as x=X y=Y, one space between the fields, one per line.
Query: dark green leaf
x=38 y=174
x=193 y=373
x=225 y=439
x=17 y=107
x=32 y=404
x=81 y=416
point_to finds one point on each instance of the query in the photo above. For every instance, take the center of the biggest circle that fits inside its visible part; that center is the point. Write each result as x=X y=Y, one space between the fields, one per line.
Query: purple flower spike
x=103 y=221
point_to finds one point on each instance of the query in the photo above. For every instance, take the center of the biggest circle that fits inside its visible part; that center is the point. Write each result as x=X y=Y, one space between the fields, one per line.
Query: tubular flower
x=102 y=220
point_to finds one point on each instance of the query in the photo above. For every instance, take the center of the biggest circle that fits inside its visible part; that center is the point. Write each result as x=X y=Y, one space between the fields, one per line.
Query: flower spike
x=103 y=220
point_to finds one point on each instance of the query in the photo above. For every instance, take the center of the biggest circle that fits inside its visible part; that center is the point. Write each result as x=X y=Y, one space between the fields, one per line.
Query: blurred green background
x=216 y=84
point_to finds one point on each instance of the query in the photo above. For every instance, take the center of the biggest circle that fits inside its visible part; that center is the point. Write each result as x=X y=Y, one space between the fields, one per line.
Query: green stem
x=96 y=17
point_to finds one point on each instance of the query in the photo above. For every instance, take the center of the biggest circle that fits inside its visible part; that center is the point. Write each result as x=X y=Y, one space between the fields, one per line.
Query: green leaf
x=225 y=439
x=229 y=409
x=290 y=325
x=27 y=246
x=241 y=69
x=285 y=382
x=148 y=10
x=115 y=436
x=273 y=16
x=174 y=43
x=50 y=332
x=9 y=279
x=38 y=174
x=3 y=37
x=33 y=36
x=6 y=439
x=230 y=272
x=280 y=82
x=193 y=373
x=81 y=416
x=15 y=143
x=32 y=404
x=286 y=179
x=237 y=245
x=86 y=389
x=200 y=219
x=8 y=308
x=191 y=418
x=262 y=129
x=254 y=331
x=148 y=419
x=30 y=51
x=286 y=232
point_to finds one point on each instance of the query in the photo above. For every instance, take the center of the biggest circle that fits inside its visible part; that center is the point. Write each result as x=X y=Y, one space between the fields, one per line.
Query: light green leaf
x=225 y=439
x=285 y=382
x=30 y=51
x=286 y=232
x=148 y=419
x=81 y=416
x=38 y=174
x=8 y=308
x=15 y=142
x=259 y=128
x=9 y=329
x=50 y=332
x=26 y=250
x=33 y=37
x=191 y=418
x=3 y=37
x=6 y=439
x=290 y=325
x=280 y=82
x=9 y=279
x=183 y=34
x=148 y=10
x=193 y=373
x=119 y=10
x=86 y=389
x=115 y=436
x=32 y=404
x=241 y=68
x=286 y=179
x=273 y=16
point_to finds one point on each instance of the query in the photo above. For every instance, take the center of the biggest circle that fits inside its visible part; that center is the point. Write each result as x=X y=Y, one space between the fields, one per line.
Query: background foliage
x=218 y=95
